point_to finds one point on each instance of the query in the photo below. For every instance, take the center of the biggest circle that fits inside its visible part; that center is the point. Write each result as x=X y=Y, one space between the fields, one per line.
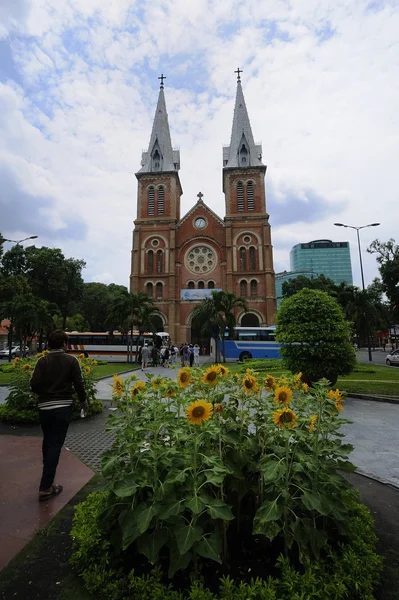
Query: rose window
x=201 y=259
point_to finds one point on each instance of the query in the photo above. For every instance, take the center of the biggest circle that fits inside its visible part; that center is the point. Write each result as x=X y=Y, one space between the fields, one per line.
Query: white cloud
x=326 y=111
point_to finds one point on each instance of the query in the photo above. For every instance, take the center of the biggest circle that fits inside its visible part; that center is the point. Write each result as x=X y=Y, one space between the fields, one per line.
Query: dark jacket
x=54 y=377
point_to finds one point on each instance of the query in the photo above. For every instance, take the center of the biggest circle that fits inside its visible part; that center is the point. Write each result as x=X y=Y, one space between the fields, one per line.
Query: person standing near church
x=53 y=380
x=196 y=355
x=145 y=355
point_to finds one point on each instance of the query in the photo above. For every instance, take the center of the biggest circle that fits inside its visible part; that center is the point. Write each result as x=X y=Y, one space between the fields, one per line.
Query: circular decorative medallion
x=155 y=242
x=247 y=239
x=200 y=259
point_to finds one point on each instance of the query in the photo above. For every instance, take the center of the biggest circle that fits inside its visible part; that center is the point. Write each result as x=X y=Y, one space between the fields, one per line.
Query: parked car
x=15 y=351
x=393 y=358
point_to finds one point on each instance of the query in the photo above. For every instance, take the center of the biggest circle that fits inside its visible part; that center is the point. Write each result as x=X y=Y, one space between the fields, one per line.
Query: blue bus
x=251 y=342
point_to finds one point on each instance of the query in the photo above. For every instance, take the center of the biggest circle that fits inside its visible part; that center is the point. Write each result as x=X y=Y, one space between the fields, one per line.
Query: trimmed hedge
x=15 y=416
x=349 y=572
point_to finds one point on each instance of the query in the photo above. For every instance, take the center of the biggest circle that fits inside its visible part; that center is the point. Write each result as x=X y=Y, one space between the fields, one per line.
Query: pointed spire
x=242 y=151
x=160 y=156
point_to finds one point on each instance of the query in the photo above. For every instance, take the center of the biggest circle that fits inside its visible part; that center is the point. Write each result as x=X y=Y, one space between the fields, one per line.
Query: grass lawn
x=99 y=371
x=365 y=379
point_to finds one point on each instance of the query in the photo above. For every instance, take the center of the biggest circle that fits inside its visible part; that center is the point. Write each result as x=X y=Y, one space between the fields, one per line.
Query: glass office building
x=324 y=257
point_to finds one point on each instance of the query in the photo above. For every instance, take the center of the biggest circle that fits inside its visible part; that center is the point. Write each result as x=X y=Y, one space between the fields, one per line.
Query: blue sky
x=78 y=89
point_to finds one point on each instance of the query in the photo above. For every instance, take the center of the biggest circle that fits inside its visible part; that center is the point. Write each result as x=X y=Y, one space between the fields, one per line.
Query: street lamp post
x=361 y=272
x=17 y=243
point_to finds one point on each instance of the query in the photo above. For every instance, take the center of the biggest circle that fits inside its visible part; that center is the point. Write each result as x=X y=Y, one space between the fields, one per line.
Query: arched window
x=159 y=290
x=254 y=287
x=156 y=160
x=243 y=259
x=161 y=200
x=211 y=285
x=201 y=285
x=150 y=261
x=191 y=285
x=149 y=290
x=252 y=259
x=151 y=201
x=159 y=261
x=250 y=196
x=243 y=288
x=240 y=196
x=243 y=155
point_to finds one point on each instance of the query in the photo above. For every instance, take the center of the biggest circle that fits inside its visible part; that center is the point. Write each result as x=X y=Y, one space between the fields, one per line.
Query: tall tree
x=217 y=313
x=132 y=311
x=387 y=255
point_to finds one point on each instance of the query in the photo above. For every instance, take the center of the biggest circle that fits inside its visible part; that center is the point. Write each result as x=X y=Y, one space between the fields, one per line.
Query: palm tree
x=130 y=311
x=217 y=314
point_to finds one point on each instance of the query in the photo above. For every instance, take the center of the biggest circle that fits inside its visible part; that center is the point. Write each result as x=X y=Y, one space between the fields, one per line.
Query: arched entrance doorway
x=158 y=323
x=249 y=320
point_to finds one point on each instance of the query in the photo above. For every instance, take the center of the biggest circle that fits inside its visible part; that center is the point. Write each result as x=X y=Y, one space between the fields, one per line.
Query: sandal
x=57 y=489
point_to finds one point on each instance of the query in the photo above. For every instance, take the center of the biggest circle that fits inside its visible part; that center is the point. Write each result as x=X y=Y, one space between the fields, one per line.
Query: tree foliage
x=388 y=260
x=314 y=334
x=217 y=313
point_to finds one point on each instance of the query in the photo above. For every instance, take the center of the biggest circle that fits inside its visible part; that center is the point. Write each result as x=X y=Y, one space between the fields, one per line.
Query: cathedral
x=177 y=260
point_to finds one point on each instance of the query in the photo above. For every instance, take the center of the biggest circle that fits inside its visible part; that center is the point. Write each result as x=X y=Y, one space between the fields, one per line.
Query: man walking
x=52 y=380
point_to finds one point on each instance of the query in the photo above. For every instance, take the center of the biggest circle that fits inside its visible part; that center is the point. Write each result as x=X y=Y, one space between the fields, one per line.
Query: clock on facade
x=200 y=223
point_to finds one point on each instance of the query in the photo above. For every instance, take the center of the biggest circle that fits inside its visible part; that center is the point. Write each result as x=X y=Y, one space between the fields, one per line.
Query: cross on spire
x=200 y=195
x=162 y=77
x=238 y=73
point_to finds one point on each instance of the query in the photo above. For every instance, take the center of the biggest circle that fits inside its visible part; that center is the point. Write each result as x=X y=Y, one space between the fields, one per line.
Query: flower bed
x=21 y=402
x=233 y=478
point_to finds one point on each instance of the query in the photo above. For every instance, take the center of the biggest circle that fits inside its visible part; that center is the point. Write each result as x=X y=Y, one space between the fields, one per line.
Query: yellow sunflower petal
x=184 y=377
x=249 y=384
x=210 y=376
x=285 y=417
x=283 y=395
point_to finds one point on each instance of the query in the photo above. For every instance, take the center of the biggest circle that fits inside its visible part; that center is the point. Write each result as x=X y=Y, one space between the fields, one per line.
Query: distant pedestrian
x=186 y=355
x=166 y=358
x=191 y=350
x=53 y=380
x=172 y=351
x=145 y=355
x=155 y=356
x=196 y=355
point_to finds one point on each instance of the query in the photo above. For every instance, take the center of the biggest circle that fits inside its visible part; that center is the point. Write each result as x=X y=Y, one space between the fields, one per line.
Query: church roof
x=160 y=143
x=241 y=133
x=200 y=204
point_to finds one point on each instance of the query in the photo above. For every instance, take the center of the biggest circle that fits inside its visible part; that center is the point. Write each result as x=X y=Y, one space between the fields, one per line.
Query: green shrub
x=348 y=572
x=21 y=402
x=315 y=336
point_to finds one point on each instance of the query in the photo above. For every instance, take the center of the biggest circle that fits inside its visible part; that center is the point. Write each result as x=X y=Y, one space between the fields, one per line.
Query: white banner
x=196 y=294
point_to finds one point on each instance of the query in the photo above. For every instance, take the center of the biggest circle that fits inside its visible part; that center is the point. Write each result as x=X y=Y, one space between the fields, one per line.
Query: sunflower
x=157 y=381
x=45 y=352
x=312 y=423
x=94 y=363
x=297 y=381
x=198 y=412
x=283 y=395
x=136 y=389
x=38 y=355
x=170 y=391
x=305 y=387
x=249 y=384
x=269 y=382
x=223 y=371
x=210 y=377
x=80 y=356
x=26 y=367
x=17 y=360
x=285 y=417
x=218 y=408
x=184 y=377
x=117 y=388
x=87 y=370
x=338 y=398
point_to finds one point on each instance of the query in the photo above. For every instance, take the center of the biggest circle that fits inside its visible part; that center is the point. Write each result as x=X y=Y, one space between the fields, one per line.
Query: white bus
x=114 y=347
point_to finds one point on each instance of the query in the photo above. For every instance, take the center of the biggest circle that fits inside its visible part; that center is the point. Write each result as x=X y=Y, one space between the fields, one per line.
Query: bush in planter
x=21 y=402
x=315 y=336
x=217 y=476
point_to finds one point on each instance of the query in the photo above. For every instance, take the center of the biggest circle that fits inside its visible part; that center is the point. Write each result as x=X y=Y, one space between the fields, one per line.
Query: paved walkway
x=22 y=515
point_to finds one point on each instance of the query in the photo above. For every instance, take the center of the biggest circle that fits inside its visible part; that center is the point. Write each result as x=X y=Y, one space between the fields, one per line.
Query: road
x=379 y=357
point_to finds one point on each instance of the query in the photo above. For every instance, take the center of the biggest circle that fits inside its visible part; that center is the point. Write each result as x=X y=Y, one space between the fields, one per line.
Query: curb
x=99 y=379
x=370 y=397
